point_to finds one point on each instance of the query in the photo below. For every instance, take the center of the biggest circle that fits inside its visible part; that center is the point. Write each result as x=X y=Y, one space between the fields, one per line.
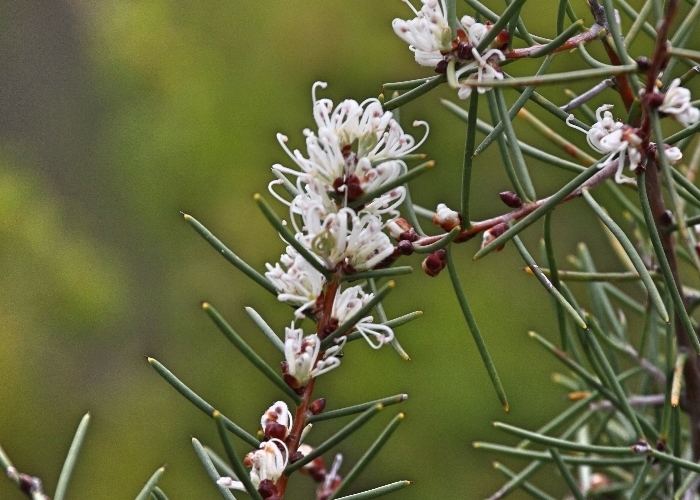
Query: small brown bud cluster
x=435 y=262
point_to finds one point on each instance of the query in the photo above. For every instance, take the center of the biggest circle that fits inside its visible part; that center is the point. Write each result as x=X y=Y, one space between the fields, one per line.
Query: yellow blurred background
x=116 y=115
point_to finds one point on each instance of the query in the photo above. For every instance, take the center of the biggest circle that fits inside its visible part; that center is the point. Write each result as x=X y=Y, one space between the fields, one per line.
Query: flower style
x=348 y=303
x=615 y=138
x=301 y=354
x=428 y=34
x=677 y=102
x=296 y=281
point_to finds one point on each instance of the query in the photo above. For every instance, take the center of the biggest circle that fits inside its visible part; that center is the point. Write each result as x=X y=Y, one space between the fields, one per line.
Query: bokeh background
x=116 y=115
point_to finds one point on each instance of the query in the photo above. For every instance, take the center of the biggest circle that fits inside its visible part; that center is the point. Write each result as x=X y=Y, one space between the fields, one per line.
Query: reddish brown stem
x=589 y=35
x=302 y=411
x=514 y=215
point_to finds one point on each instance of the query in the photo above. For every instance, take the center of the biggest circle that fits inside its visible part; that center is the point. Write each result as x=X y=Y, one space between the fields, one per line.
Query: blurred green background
x=115 y=115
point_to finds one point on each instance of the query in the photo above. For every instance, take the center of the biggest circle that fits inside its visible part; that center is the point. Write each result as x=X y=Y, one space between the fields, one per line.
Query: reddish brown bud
x=295 y=457
x=441 y=67
x=511 y=199
x=405 y=247
x=643 y=63
x=666 y=218
x=275 y=430
x=267 y=489
x=317 y=406
x=655 y=99
x=434 y=263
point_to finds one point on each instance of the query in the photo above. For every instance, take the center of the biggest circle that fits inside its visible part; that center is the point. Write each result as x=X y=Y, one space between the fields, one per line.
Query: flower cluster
x=435 y=45
x=619 y=141
x=341 y=196
x=268 y=462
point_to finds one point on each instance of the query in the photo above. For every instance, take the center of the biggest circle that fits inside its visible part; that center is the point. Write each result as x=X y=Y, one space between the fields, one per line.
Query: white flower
x=612 y=137
x=296 y=281
x=347 y=238
x=356 y=149
x=445 y=217
x=277 y=413
x=428 y=34
x=348 y=303
x=487 y=69
x=677 y=102
x=301 y=355
x=475 y=31
x=268 y=462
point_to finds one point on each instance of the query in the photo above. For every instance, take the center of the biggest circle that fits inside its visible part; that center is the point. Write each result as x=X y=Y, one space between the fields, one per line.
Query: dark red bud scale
x=317 y=406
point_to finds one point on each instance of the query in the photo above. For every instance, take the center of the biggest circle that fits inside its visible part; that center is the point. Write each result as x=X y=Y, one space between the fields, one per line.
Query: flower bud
x=493 y=233
x=511 y=199
x=673 y=154
x=267 y=489
x=397 y=227
x=446 y=218
x=434 y=263
x=317 y=406
x=405 y=247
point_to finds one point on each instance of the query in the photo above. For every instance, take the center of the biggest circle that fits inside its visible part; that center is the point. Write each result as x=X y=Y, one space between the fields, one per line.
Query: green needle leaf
x=228 y=254
x=199 y=402
x=476 y=334
x=566 y=474
x=377 y=492
x=210 y=469
x=369 y=455
x=150 y=485
x=240 y=471
x=671 y=285
x=351 y=410
x=335 y=439
x=548 y=284
x=415 y=93
x=265 y=328
x=71 y=458
x=631 y=252
x=248 y=351
x=378 y=273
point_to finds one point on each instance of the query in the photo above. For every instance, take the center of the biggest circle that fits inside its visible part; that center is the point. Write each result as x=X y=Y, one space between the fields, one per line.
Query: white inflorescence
x=434 y=44
x=620 y=142
x=355 y=149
